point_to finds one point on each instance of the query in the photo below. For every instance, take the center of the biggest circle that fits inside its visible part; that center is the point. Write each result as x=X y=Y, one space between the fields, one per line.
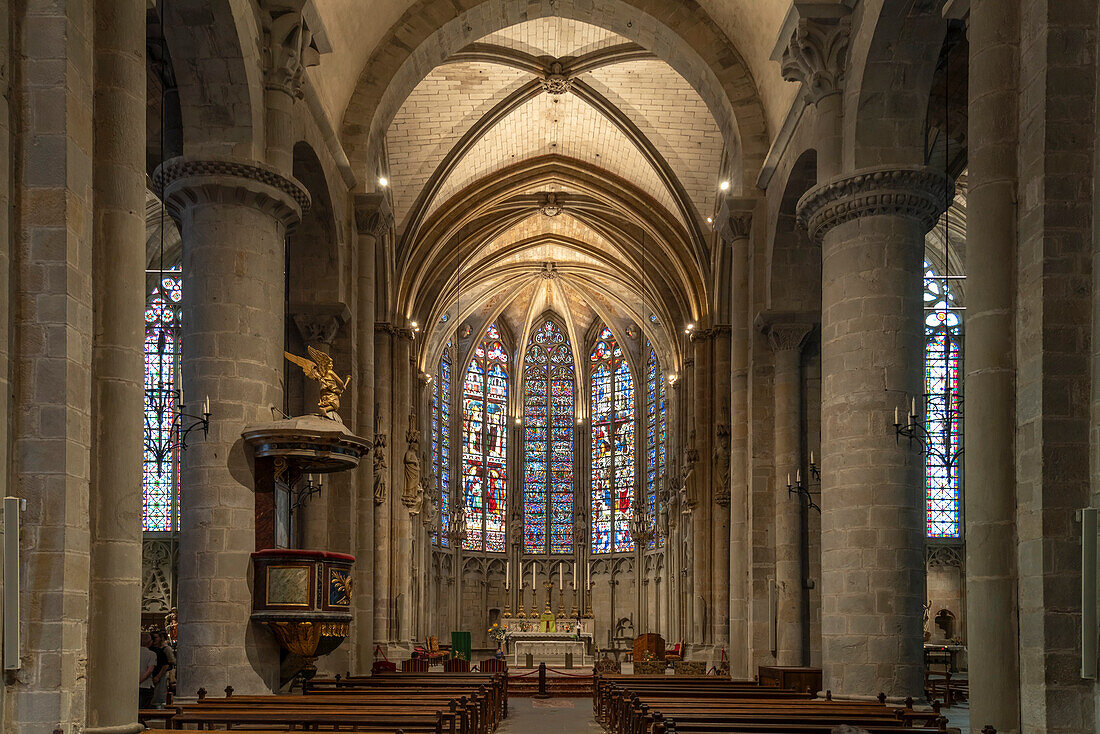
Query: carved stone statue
x=379 y=468
x=688 y=480
x=319 y=369
x=722 y=466
x=412 y=468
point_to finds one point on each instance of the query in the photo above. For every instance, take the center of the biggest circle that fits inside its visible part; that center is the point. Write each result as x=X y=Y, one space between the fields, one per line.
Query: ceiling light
x=691 y=326
x=383 y=181
x=710 y=221
x=724 y=186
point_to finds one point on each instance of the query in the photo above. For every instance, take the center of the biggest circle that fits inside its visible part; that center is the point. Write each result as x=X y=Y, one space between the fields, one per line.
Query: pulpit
x=650 y=646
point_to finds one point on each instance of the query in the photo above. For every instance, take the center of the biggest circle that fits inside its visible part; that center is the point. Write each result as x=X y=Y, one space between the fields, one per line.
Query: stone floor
x=549 y=716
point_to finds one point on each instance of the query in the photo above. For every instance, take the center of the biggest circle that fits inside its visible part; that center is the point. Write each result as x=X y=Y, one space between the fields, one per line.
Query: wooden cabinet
x=650 y=643
x=790 y=678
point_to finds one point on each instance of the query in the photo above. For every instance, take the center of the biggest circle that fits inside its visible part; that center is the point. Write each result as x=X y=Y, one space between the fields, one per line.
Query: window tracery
x=656 y=438
x=485 y=444
x=943 y=403
x=441 y=434
x=613 y=446
x=160 y=478
x=548 y=410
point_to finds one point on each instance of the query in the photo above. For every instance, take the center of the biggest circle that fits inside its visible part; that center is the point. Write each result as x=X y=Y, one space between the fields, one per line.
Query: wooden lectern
x=651 y=643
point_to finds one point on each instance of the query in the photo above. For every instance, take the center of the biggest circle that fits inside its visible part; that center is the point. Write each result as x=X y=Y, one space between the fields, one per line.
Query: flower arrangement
x=496 y=633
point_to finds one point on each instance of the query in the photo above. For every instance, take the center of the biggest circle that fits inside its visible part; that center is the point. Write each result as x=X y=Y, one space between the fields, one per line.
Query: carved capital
x=373 y=215
x=914 y=192
x=556 y=79
x=183 y=182
x=319 y=325
x=735 y=218
x=291 y=44
x=816 y=49
x=785 y=330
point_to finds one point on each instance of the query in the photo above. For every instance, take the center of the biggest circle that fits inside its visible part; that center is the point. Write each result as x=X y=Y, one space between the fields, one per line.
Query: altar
x=544 y=645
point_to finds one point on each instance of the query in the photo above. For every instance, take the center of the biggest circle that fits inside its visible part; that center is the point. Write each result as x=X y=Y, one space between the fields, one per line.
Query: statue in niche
x=722 y=466
x=688 y=481
x=319 y=369
x=379 y=467
x=412 y=468
x=517 y=530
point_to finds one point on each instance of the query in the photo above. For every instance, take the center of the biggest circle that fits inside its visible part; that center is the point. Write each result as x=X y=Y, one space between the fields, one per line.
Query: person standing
x=165 y=663
x=147 y=665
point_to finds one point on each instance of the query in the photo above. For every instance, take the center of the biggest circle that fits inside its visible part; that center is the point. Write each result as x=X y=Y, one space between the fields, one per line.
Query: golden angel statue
x=319 y=368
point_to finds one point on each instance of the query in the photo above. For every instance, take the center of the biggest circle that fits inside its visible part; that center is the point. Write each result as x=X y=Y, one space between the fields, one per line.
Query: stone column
x=233 y=216
x=404 y=433
x=872 y=225
x=720 y=481
x=786 y=336
x=735 y=226
x=700 y=494
x=991 y=581
x=372 y=220
x=118 y=302
x=288 y=49
x=813 y=51
x=384 y=457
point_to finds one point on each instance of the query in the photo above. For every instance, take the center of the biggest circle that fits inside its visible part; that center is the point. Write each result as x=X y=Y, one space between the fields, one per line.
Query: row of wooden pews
x=469 y=703
x=681 y=705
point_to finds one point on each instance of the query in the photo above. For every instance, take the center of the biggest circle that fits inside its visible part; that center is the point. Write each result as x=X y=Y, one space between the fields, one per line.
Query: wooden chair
x=676 y=653
x=432 y=651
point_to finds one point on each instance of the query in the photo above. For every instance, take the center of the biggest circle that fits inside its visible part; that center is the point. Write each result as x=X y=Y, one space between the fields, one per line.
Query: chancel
x=478 y=366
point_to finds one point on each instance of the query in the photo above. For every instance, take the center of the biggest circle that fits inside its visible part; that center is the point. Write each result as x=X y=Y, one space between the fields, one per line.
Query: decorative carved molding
x=289 y=47
x=384 y=327
x=321 y=324
x=785 y=330
x=915 y=192
x=944 y=556
x=183 y=182
x=816 y=53
x=734 y=220
x=373 y=215
x=158 y=569
x=557 y=79
x=550 y=205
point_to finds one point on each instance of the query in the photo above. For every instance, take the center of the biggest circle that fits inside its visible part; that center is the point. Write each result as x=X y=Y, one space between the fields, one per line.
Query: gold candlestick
x=548 y=586
x=520 y=613
x=573 y=614
x=588 y=603
x=534 y=603
x=507 y=604
x=561 y=604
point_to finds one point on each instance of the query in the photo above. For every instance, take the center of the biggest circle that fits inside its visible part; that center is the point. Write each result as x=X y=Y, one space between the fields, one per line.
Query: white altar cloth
x=542 y=644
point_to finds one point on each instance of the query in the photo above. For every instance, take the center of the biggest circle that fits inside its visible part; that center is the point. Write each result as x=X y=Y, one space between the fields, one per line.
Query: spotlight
x=724 y=186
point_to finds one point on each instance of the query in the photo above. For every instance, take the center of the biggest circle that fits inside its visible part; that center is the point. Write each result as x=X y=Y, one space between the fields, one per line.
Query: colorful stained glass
x=160 y=489
x=655 y=441
x=548 y=442
x=485 y=444
x=613 y=446
x=441 y=434
x=943 y=403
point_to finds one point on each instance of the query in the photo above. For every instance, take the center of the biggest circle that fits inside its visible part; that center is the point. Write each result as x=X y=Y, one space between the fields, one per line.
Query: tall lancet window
x=160 y=487
x=612 y=415
x=656 y=424
x=485 y=444
x=548 y=441
x=441 y=434
x=943 y=415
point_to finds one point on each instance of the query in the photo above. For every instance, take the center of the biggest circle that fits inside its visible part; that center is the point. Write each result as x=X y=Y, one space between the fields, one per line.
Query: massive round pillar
x=233 y=217
x=118 y=268
x=872 y=225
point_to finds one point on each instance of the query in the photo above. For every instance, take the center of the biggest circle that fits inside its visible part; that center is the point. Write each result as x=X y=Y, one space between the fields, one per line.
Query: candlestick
x=561 y=604
x=574 y=614
x=520 y=614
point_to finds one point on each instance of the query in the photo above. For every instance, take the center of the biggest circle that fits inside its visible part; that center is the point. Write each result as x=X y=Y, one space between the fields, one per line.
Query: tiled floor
x=549 y=716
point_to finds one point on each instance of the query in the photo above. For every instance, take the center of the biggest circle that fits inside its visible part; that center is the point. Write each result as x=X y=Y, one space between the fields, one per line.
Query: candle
x=811 y=458
x=534 y=565
x=574 y=575
x=561 y=578
x=788 y=479
x=206 y=406
x=896 y=421
x=913 y=410
x=507 y=574
x=588 y=575
x=798 y=477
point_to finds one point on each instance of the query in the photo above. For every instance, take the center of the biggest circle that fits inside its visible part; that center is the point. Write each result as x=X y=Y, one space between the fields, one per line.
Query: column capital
x=183 y=182
x=786 y=330
x=812 y=48
x=373 y=215
x=320 y=324
x=294 y=39
x=734 y=220
x=915 y=192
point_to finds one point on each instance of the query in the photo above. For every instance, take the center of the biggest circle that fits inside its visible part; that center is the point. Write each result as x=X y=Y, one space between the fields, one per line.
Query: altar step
x=576 y=684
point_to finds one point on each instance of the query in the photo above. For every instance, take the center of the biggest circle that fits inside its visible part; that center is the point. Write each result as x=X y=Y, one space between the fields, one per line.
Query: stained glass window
x=548 y=441
x=656 y=423
x=441 y=434
x=485 y=444
x=160 y=489
x=943 y=415
x=612 y=417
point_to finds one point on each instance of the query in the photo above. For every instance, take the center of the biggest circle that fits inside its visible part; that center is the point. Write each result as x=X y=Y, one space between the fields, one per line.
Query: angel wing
x=302 y=362
x=324 y=362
